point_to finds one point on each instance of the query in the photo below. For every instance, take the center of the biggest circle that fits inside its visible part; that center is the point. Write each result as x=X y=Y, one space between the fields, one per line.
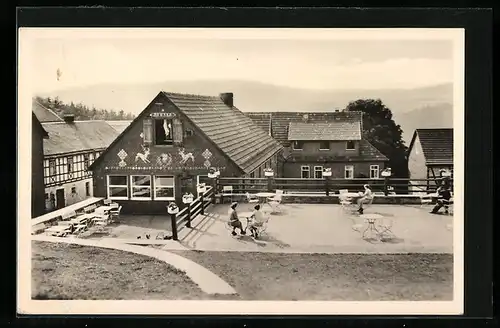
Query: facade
x=68 y=152
x=37 y=186
x=314 y=141
x=171 y=146
x=430 y=151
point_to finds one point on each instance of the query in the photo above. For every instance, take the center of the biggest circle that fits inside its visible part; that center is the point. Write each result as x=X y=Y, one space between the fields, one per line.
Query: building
x=317 y=140
x=119 y=126
x=37 y=186
x=171 y=145
x=430 y=151
x=68 y=152
x=44 y=114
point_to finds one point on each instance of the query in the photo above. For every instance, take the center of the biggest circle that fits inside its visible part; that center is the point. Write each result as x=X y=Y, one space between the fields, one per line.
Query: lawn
x=74 y=272
x=332 y=277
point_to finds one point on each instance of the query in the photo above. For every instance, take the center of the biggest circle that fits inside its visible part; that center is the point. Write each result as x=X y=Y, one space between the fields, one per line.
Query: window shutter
x=178 y=131
x=147 y=131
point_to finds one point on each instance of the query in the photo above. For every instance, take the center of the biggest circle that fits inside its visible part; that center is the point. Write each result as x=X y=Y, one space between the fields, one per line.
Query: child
x=444 y=196
x=258 y=221
x=234 y=221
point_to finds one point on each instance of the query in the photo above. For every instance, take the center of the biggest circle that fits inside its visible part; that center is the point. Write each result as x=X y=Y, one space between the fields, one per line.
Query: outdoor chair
x=275 y=202
x=345 y=201
x=425 y=200
x=106 y=202
x=252 y=198
x=384 y=227
x=114 y=214
x=277 y=196
x=262 y=228
x=227 y=191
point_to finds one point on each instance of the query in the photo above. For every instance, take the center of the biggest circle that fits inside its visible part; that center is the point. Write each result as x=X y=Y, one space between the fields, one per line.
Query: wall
x=37 y=187
x=293 y=169
x=199 y=155
x=416 y=161
x=70 y=198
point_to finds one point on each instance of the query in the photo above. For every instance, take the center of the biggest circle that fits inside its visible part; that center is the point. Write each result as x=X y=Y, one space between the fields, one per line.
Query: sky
x=287 y=59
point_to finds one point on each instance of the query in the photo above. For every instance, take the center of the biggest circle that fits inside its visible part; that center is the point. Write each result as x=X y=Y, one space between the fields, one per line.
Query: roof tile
x=437 y=145
x=336 y=130
x=43 y=113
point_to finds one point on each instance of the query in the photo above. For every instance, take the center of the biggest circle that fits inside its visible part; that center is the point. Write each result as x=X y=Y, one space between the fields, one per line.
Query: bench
x=38 y=228
x=68 y=215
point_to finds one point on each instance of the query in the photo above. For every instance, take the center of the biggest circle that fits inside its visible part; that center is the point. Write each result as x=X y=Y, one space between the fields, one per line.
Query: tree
x=382 y=132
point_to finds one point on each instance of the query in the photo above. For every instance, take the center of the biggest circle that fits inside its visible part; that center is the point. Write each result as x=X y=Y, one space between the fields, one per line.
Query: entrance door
x=60 y=201
x=188 y=185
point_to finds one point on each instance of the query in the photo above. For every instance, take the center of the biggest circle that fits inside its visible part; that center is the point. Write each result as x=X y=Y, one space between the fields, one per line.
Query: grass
x=74 y=272
x=332 y=277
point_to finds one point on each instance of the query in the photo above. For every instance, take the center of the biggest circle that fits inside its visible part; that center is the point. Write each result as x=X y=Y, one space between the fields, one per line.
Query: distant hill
x=260 y=97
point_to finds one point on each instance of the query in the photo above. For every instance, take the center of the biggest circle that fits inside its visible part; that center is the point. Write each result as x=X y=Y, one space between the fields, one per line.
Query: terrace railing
x=327 y=186
x=191 y=211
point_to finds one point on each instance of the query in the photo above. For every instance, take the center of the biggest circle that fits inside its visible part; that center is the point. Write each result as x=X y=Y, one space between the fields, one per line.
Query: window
x=87 y=189
x=252 y=175
x=298 y=145
x=140 y=187
x=349 y=172
x=117 y=187
x=350 y=145
x=73 y=190
x=189 y=133
x=304 y=172
x=164 y=187
x=52 y=167
x=86 y=161
x=324 y=145
x=163 y=132
x=318 y=172
x=69 y=164
x=374 y=170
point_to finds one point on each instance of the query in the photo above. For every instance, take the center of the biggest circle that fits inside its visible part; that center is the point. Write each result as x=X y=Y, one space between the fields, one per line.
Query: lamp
x=172 y=208
x=386 y=173
x=187 y=198
x=327 y=172
x=268 y=172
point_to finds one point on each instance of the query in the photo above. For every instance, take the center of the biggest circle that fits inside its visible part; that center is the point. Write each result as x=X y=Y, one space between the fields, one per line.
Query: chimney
x=69 y=118
x=227 y=98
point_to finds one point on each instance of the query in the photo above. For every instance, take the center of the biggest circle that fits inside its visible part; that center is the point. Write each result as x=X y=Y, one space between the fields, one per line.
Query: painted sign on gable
x=162 y=115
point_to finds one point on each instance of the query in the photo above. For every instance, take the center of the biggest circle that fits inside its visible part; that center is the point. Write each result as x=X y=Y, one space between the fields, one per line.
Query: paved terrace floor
x=301 y=228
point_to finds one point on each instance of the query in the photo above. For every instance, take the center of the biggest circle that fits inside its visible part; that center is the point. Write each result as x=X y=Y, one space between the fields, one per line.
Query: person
x=234 y=221
x=444 y=196
x=366 y=197
x=258 y=221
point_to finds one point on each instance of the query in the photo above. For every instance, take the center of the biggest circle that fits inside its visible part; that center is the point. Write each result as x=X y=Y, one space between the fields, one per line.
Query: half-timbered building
x=171 y=146
x=37 y=186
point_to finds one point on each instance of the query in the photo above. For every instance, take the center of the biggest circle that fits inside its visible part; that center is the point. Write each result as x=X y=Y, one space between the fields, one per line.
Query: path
x=208 y=282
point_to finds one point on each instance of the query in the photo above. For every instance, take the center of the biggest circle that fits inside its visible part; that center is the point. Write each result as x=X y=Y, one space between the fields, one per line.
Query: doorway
x=60 y=200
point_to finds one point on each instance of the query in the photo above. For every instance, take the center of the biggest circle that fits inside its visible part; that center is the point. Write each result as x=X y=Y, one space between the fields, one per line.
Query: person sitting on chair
x=365 y=198
x=258 y=221
x=234 y=221
x=444 y=195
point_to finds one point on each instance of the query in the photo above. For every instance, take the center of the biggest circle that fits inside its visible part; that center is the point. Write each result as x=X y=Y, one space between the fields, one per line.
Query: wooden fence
x=241 y=186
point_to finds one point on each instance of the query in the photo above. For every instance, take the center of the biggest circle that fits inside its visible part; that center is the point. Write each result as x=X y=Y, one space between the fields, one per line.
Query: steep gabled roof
x=119 y=126
x=367 y=151
x=437 y=145
x=336 y=130
x=228 y=128
x=232 y=132
x=262 y=120
x=280 y=121
x=77 y=136
x=43 y=113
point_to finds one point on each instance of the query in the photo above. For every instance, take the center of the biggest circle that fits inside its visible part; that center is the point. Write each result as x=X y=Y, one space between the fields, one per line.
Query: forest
x=83 y=112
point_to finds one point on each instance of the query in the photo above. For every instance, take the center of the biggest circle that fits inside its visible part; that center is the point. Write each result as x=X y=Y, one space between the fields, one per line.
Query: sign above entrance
x=162 y=115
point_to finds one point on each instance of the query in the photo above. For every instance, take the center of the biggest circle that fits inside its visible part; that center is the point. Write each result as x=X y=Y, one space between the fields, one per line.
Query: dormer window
x=163 y=132
x=299 y=145
x=350 y=145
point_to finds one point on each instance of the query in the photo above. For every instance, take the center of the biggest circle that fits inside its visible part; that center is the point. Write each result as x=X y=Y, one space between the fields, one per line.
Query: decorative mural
x=207 y=155
x=164 y=160
x=143 y=156
x=185 y=156
x=122 y=155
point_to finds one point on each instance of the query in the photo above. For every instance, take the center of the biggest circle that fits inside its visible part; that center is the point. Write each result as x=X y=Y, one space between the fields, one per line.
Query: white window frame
x=141 y=186
x=374 y=168
x=163 y=186
x=329 y=146
x=293 y=145
x=109 y=186
x=347 y=143
x=318 y=169
x=349 y=168
x=305 y=168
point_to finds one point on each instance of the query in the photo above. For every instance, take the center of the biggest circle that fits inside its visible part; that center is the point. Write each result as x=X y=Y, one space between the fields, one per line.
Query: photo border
x=477 y=83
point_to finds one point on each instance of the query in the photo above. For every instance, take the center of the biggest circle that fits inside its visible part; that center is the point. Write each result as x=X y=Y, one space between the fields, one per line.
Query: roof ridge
x=168 y=93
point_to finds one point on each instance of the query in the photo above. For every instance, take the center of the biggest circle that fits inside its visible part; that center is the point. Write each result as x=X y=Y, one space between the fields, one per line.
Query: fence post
x=188 y=223
x=386 y=186
x=327 y=186
x=269 y=184
x=202 y=203
x=173 y=217
x=214 y=186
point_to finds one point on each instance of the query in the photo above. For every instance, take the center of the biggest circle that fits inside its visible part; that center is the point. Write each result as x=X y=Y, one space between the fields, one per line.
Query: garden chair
x=106 y=202
x=275 y=202
x=252 y=198
x=227 y=191
x=114 y=215
x=262 y=228
x=425 y=200
x=384 y=227
x=277 y=197
x=345 y=201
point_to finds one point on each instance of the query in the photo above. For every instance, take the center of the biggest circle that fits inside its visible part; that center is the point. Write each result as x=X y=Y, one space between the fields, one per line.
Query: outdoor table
x=264 y=195
x=104 y=209
x=371 y=219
